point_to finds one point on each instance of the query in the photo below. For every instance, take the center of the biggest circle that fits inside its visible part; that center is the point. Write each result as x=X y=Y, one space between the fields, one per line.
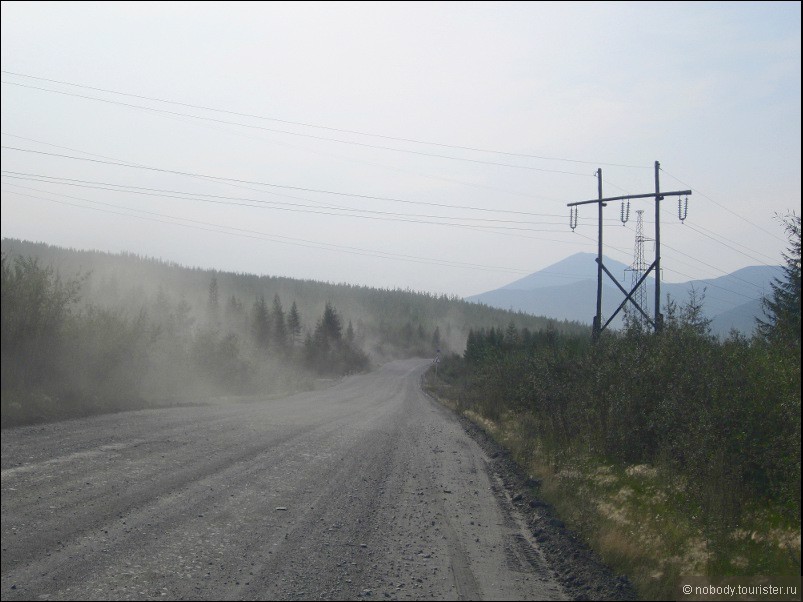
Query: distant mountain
x=567 y=291
x=741 y=318
x=572 y=270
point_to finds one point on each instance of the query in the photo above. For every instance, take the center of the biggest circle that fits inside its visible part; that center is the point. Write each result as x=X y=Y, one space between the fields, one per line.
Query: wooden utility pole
x=659 y=318
x=657 y=321
x=597 y=328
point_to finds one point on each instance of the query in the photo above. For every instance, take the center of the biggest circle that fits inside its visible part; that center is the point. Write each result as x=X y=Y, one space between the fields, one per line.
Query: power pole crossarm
x=630 y=197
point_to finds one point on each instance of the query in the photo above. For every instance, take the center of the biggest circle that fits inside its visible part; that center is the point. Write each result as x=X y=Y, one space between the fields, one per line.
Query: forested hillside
x=85 y=331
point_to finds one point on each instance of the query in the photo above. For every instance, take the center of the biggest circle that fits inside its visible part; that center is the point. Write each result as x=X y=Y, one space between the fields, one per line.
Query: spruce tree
x=782 y=309
x=436 y=338
x=261 y=323
x=294 y=324
x=213 y=303
x=331 y=325
x=279 y=327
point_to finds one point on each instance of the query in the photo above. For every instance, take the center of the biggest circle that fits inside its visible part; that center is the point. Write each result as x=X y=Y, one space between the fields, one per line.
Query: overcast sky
x=235 y=116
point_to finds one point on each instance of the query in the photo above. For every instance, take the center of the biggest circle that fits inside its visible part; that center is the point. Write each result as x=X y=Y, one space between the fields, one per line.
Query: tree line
x=107 y=332
x=63 y=355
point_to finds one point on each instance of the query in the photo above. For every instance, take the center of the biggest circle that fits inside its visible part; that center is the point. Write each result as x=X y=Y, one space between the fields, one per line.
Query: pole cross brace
x=628 y=296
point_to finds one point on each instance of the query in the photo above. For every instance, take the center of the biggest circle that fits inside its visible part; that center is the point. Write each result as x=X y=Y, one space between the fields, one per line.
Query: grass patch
x=642 y=520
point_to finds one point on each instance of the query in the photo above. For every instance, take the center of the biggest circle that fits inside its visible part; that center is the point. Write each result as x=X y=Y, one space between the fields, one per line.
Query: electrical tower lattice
x=639 y=267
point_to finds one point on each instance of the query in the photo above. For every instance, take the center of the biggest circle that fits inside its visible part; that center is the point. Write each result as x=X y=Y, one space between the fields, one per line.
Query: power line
x=367 y=134
x=720 y=239
x=246 y=233
x=624 y=252
x=697 y=259
x=710 y=235
x=725 y=207
x=693 y=227
x=70 y=148
x=698 y=262
x=712 y=284
x=164 y=192
x=253 y=234
x=312 y=136
x=385 y=213
x=297 y=207
x=269 y=184
x=360 y=196
x=339 y=157
x=323 y=127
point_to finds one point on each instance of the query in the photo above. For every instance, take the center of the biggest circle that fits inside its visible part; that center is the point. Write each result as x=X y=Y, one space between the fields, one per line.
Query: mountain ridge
x=566 y=290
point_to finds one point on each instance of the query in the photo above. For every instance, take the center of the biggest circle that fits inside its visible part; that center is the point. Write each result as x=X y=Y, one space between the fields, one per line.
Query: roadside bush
x=726 y=415
x=35 y=305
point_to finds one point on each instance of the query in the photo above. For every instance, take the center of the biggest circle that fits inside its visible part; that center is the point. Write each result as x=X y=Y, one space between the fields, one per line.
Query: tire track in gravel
x=367 y=490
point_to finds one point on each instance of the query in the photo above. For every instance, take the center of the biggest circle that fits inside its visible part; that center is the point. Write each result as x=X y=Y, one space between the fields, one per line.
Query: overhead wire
x=272 y=185
x=189 y=105
x=266 y=236
x=339 y=157
x=232 y=180
x=697 y=260
x=323 y=127
x=312 y=136
x=710 y=232
x=268 y=184
x=173 y=193
x=721 y=240
x=293 y=207
x=725 y=207
x=715 y=285
x=307 y=243
x=716 y=237
x=753 y=252
x=697 y=263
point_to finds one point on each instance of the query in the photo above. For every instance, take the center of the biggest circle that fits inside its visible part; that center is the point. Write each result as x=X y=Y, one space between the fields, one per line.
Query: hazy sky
x=231 y=118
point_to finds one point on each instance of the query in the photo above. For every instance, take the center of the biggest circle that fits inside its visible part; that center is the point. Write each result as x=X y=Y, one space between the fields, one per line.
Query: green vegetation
x=782 y=309
x=113 y=332
x=673 y=454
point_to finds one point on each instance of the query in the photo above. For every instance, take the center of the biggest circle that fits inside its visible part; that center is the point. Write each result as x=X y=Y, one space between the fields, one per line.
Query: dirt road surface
x=366 y=490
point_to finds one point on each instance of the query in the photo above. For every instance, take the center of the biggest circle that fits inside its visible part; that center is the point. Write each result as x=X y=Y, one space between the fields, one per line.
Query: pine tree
x=511 y=334
x=473 y=352
x=782 y=310
x=234 y=314
x=436 y=339
x=213 y=303
x=279 y=328
x=331 y=325
x=310 y=351
x=294 y=324
x=261 y=323
x=407 y=334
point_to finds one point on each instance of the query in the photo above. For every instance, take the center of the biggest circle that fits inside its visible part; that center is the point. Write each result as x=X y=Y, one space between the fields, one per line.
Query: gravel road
x=366 y=490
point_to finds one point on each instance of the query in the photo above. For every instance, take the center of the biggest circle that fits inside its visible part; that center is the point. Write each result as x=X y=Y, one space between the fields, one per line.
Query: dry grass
x=638 y=519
